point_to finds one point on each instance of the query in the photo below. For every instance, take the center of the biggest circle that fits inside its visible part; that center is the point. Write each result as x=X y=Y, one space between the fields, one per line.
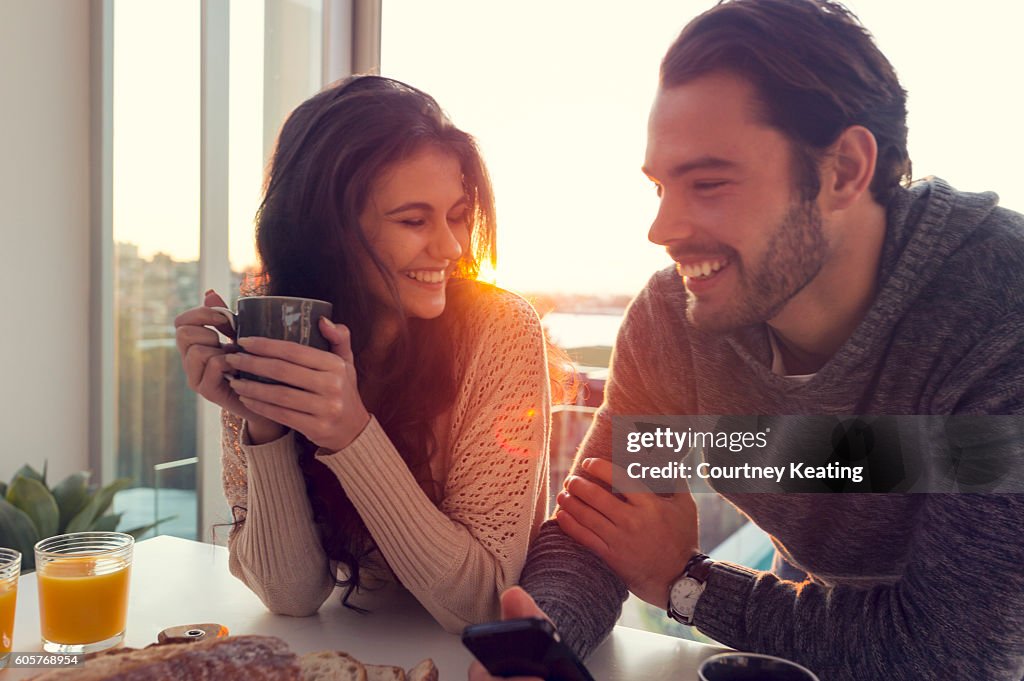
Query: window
x=273 y=62
x=156 y=234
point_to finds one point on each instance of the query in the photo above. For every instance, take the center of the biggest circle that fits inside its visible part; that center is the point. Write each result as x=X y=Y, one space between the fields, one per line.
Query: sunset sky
x=557 y=94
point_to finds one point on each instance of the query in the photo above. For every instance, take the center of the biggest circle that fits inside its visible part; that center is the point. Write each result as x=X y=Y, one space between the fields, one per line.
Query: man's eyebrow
x=702 y=163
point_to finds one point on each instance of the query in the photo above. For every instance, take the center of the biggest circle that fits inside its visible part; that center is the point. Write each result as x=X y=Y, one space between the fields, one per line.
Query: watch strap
x=698 y=567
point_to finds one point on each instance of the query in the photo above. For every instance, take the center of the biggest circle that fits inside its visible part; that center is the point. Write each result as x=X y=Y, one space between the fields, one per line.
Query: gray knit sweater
x=902 y=586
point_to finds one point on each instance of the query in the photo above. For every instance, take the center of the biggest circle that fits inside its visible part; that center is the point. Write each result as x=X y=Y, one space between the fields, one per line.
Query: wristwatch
x=686 y=590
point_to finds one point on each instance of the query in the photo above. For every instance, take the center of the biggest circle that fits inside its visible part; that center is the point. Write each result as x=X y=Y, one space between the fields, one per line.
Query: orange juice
x=8 y=595
x=83 y=599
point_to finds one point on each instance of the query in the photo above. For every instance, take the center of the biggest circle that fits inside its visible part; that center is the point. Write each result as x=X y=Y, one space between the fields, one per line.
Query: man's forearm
x=581 y=595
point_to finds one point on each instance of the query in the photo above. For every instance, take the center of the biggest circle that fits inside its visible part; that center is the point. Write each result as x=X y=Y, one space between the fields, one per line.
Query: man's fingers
x=581 y=534
x=516 y=603
x=585 y=514
x=635 y=491
x=597 y=497
x=598 y=469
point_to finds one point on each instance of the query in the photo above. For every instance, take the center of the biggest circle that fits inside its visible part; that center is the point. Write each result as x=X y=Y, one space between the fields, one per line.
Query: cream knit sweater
x=457 y=556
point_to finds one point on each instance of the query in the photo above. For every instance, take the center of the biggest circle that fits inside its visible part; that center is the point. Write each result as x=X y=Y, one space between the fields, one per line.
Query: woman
x=417 y=448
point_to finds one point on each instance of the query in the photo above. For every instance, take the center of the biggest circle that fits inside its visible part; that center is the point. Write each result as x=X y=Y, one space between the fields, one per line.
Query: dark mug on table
x=282 y=317
x=738 y=666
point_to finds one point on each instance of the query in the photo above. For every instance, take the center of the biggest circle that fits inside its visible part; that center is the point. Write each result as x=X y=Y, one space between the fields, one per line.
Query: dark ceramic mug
x=752 y=667
x=281 y=317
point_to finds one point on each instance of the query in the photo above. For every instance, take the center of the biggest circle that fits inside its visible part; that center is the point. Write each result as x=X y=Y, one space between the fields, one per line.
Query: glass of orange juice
x=10 y=568
x=82 y=581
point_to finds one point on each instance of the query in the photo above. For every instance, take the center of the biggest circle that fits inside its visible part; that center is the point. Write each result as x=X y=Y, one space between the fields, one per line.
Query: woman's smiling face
x=417 y=220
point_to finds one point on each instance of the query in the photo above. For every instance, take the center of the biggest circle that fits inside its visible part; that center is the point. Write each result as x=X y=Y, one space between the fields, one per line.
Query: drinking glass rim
x=9 y=558
x=760 y=656
x=87 y=540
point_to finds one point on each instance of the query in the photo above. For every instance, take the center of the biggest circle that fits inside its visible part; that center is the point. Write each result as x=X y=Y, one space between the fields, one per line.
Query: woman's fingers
x=195 y=364
x=212 y=299
x=186 y=336
x=204 y=316
x=297 y=421
x=281 y=370
x=292 y=352
x=212 y=384
x=279 y=395
x=339 y=337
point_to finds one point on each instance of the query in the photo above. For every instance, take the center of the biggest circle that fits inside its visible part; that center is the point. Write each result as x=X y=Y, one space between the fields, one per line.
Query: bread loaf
x=331 y=665
x=378 y=672
x=424 y=671
x=248 y=658
x=253 y=658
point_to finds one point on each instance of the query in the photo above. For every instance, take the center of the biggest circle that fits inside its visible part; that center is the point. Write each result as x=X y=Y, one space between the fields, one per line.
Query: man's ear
x=850 y=168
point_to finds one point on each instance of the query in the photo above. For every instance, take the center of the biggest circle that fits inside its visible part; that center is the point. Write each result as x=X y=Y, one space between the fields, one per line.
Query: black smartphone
x=524 y=647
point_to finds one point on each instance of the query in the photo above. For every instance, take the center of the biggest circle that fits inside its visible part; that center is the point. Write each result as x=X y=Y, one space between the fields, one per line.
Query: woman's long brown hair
x=329 y=153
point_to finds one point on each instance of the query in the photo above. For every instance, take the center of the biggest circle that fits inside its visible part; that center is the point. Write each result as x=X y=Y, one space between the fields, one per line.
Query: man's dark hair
x=817 y=71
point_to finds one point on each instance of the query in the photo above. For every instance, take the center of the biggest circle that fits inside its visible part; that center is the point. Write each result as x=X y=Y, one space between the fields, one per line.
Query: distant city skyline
x=560 y=117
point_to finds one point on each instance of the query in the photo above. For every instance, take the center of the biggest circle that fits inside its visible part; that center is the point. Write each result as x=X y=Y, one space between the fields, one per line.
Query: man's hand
x=515 y=603
x=646 y=539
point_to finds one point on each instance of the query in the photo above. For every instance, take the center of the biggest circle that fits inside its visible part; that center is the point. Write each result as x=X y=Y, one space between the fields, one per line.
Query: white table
x=176 y=581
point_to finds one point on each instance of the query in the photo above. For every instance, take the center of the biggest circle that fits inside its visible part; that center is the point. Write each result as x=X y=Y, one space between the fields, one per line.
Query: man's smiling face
x=731 y=214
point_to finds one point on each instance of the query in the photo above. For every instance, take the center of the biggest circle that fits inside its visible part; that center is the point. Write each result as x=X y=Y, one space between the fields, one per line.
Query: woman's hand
x=204 y=360
x=321 y=399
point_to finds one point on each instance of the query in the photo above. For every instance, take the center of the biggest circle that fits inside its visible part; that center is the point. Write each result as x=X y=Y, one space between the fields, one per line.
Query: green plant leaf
x=46 y=464
x=106 y=495
x=3 y=490
x=17 y=532
x=72 y=494
x=97 y=506
x=107 y=523
x=32 y=497
x=27 y=471
x=137 y=532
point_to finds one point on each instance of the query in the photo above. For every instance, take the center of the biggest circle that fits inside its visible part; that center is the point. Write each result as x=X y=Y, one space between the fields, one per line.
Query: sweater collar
x=920 y=236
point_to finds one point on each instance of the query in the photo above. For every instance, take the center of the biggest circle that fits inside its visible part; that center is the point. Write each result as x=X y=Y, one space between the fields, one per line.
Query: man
x=809 y=280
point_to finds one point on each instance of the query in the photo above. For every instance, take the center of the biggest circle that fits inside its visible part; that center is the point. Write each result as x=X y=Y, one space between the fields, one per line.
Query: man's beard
x=795 y=253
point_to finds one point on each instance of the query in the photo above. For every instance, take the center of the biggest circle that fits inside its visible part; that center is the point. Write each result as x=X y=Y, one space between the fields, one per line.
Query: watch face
x=684 y=594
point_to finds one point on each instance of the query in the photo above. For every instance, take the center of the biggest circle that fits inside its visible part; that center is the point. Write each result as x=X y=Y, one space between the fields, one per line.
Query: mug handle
x=228 y=315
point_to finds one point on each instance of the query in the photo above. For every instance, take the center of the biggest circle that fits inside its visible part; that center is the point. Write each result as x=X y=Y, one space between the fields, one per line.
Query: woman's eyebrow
x=412 y=205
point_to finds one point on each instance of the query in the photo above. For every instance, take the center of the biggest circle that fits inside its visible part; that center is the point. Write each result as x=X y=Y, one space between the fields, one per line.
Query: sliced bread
x=424 y=671
x=331 y=665
x=379 y=672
